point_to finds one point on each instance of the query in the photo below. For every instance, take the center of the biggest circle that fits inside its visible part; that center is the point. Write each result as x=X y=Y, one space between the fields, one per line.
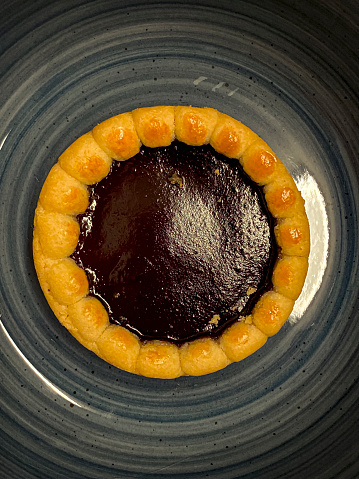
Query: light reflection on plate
x=42 y=378
x=319 y=242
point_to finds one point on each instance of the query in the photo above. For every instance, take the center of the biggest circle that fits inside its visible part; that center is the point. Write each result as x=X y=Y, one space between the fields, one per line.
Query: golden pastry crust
x=289 y=275
x=293 y=236
x=89 y=319
x=230 y=137
x=56 y=231
x=271 y=312
x=202 y=356
x=85 y=160
x=159 y=359
x=155 y=126
x=117 y=137
x=194 y=126
x=242 y=339
x=261 y=163
x=119 y=347
x=62 y=193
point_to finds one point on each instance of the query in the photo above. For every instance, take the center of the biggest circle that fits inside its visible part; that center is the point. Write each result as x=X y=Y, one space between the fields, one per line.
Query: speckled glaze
x=289 y=71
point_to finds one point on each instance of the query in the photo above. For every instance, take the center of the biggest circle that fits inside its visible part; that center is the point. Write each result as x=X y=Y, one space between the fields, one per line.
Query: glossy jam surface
x=177 y=242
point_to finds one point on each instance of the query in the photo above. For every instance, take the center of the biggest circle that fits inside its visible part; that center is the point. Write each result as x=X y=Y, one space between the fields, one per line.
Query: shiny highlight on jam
x=177 y=242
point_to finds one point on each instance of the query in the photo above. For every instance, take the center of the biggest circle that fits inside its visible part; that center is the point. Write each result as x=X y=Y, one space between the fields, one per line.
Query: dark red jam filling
x=177 y=242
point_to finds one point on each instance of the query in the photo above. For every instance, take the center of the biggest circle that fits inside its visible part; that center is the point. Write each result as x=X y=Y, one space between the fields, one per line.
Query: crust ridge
x=64 y=195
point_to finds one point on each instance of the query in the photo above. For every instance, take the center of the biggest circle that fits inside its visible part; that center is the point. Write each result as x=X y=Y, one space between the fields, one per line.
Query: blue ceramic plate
x=289 y=70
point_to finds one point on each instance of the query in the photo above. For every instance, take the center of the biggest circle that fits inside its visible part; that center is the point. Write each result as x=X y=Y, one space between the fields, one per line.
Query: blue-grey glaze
x=289 y=70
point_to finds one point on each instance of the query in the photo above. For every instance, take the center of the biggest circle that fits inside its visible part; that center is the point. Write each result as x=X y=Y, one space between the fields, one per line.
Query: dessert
x=171 y=241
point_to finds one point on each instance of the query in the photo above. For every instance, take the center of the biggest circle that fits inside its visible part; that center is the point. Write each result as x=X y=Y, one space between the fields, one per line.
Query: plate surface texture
x=287 y=69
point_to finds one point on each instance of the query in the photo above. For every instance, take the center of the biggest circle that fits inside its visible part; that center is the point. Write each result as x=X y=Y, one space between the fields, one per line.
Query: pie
x=171 y=241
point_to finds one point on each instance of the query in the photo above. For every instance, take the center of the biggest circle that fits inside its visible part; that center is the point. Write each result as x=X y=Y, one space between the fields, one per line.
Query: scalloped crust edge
x=119 y=138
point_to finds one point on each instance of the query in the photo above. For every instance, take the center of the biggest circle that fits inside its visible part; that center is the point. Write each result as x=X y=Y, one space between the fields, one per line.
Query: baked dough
x=56 y=232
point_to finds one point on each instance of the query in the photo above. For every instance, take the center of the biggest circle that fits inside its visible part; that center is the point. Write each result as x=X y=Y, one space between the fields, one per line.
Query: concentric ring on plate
x=65 y=195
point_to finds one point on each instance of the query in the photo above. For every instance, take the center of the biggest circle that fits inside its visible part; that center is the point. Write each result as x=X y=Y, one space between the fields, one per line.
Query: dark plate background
x=287 y=69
